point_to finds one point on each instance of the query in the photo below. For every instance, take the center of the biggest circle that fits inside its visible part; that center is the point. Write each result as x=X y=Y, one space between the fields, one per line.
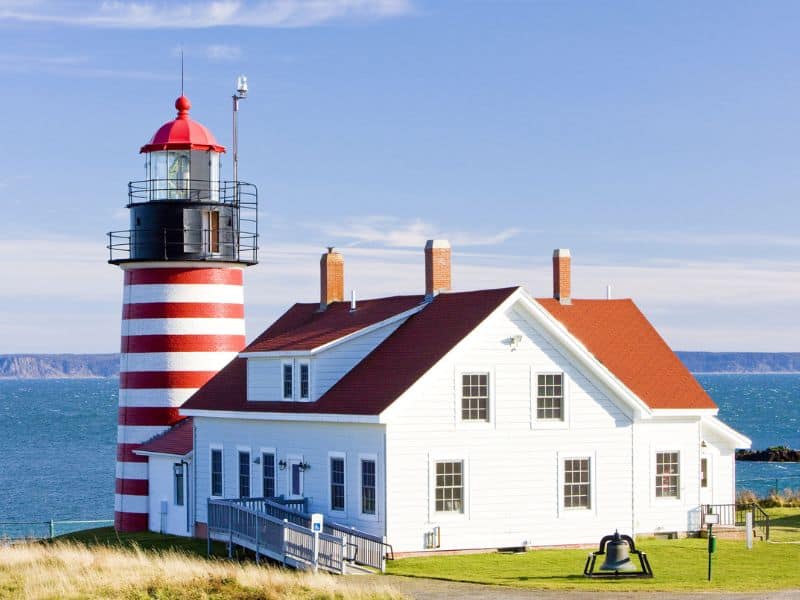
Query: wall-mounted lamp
x=257 y=460
x=303 y=466
x=178 y=468
x=282 y=465
x=514 y=341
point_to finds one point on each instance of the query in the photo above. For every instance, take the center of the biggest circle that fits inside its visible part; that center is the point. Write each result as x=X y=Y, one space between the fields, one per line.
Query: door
x=294 y=472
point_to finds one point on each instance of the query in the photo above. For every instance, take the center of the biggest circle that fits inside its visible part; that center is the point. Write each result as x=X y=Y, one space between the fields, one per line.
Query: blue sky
x=657 y=141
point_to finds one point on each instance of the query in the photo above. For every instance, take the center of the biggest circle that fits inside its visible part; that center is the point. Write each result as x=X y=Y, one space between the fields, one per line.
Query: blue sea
x=57 y=441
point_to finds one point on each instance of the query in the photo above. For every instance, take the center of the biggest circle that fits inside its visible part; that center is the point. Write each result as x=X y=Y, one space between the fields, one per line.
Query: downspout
x=195 y=454
x=633 y=477
x=188 y=497
x=385 y=485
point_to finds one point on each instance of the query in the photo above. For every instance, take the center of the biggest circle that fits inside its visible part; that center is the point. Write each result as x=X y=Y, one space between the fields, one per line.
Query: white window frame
x=211 y=448
x=362 y=515
x=290 y=459
x=460 y=422
x=343 y=457
x=290 y=364
x=577 y=454
x=267 y=450
x=448 y=456
x=300 y=365
x=654 y=474
x=536 y=422
x=249 y=470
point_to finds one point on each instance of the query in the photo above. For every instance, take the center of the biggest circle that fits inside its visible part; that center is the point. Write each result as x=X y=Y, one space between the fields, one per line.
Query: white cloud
x=61 y=295
x=222 y=52
x=398 y=233
x=198 y=15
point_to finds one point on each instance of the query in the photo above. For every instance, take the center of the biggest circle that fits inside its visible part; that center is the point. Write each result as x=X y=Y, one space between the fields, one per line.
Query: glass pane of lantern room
x=213 y=175
x=158 y=176
x=178 y=175
x=201 y=177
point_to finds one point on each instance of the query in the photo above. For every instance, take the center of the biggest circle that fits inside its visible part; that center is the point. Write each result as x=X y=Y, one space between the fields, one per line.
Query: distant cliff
x=58 y=366
x=741 y=362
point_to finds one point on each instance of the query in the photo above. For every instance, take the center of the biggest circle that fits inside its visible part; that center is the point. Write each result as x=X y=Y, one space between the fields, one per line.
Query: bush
x=776 y=499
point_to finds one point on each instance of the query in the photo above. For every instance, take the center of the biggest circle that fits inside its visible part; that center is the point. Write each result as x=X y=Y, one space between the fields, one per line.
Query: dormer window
x=288 y=387
x=304 y=381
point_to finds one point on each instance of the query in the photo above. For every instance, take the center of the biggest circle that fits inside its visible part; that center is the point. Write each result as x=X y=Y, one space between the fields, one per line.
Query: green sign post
x=710 y=520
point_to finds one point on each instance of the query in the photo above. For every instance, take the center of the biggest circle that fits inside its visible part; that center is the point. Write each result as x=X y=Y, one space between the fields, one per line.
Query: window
x=268 y=466
x=337 y=483
x=577 y=483
x=368 y=487
x=550 y=396
x=216 y=472
x=703 y=472
x=244 y=474
x=668 y=473
x=304 y=381
x=178 y=467
x=475 y=397
x=450 y=486
x=287 y=381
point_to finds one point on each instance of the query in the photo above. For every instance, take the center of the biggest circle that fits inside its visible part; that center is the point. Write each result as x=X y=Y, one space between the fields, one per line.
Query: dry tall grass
x=67 y=570
x=787 y=498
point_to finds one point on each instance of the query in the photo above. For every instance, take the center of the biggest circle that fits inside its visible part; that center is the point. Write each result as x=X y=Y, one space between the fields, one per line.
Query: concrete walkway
x=434 y=589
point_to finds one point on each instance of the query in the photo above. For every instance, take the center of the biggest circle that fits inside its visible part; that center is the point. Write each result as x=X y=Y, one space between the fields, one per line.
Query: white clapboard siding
x=512 y=465
x=312 y=442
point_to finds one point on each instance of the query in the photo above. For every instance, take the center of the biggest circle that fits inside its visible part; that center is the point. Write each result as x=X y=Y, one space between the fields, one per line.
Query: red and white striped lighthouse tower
x=190 y=237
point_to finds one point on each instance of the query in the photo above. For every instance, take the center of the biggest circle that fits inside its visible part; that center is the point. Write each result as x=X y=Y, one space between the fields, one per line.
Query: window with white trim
x=304 y=382
x=450 y=486
x=268 y=474
x=668 y=474
x=337 y=483
x=577 y=483
x=216 y=472
x=475 y=397
x=368 y=485
x=550 y=396
x=288 y=387
x=244 y=474
x=179 y=478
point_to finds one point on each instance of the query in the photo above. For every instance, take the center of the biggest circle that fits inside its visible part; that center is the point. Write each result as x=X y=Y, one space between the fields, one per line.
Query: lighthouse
x=191 y=235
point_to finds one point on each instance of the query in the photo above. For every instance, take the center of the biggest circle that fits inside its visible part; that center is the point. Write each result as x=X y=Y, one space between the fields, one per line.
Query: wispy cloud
x=222 y=52
x=199 y=15
x=73 y=66
x=399 y=233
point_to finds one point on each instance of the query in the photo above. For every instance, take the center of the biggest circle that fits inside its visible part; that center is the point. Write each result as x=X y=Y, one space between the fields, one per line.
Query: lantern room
x=183 y=210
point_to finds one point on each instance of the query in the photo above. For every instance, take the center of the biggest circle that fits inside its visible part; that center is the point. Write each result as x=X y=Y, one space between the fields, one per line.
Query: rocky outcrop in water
x=772 y=454
x=58 y=366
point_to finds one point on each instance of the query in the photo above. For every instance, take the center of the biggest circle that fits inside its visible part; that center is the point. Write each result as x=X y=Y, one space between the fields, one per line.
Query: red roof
x=614 y=331
x=183 y=133
x=621 y=337
x=178 y=440
x=407 y=354
x=305 y=327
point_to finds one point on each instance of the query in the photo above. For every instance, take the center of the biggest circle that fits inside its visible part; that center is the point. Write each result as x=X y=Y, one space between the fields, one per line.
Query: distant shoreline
x=104 y=366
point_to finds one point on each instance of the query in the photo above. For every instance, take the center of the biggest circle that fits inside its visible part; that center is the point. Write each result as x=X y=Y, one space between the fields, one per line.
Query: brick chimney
x=561 y=276
x=331 y=278
x=437 y=267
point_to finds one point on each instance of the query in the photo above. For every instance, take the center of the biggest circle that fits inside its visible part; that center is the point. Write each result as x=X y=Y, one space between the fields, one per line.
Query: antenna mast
x=241 y=94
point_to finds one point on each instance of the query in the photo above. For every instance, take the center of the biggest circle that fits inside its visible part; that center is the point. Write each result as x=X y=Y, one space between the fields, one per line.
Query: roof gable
x=621 y=338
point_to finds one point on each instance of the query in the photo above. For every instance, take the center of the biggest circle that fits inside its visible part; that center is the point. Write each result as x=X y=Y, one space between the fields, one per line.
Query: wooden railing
x=360 y=547
x=237 y=523
x=734 y=515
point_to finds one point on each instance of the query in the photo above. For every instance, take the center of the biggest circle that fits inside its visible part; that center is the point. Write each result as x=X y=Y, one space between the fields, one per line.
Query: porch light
x=617 y=549
x=282 y=465
x=178 y=469
x=303 y=466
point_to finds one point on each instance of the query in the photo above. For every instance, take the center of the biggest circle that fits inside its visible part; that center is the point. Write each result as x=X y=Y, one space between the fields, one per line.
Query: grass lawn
x=146 y=540
x=677 y=565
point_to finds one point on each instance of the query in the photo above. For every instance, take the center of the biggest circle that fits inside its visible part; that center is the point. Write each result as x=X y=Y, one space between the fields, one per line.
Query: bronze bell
x=617 y=557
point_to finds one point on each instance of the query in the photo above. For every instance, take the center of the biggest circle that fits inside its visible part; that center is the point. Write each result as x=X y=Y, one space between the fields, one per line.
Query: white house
x=454 y=420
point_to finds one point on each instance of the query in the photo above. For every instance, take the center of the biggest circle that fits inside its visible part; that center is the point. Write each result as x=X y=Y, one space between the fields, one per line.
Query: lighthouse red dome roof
x=183 y=133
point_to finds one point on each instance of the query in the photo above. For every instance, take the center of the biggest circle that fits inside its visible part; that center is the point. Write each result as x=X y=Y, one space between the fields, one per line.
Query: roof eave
x=189 y=454
x=736 y=439
x=281 y=416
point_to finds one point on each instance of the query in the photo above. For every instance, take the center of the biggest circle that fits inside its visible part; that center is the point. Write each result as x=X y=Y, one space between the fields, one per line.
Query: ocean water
x=58 y=438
